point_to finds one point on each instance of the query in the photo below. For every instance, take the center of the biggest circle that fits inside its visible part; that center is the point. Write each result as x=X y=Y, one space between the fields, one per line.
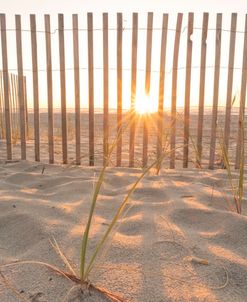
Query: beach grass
x=236 y=185
x=86 y=267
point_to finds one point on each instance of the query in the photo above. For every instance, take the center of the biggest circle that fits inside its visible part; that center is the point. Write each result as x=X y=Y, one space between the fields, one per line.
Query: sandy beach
x=98 y=137
x=181 y=239
x=123 y=151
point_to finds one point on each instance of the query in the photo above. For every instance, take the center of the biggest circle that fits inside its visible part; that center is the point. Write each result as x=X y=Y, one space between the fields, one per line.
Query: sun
x=144 y=105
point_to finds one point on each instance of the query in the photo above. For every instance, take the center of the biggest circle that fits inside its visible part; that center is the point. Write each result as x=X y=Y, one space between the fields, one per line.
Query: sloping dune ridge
x=179 y=241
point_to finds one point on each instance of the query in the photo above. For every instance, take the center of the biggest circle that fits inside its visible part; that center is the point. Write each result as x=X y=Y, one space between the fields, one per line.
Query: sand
x=98 y=139
x=180 y=240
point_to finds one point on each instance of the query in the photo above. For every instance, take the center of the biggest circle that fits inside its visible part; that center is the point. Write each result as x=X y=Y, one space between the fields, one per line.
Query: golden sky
x=76 y=6
x=25 y=7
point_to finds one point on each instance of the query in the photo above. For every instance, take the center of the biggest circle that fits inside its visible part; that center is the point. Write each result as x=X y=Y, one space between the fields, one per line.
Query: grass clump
x=236 y=186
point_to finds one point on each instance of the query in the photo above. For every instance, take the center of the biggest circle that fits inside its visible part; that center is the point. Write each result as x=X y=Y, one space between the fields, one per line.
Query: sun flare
x=144 y=105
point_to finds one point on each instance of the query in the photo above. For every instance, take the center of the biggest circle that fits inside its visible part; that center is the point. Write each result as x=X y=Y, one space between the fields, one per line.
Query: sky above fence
x=25 y=7
x=77 y=6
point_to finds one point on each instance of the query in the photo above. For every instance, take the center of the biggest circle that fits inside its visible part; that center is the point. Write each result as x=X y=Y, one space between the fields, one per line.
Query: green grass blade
x=119 y=213
x=94 y=200
x=236 y=190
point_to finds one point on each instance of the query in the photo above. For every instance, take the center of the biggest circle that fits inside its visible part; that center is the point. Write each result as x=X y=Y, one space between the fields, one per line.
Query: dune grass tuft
x=236 y=186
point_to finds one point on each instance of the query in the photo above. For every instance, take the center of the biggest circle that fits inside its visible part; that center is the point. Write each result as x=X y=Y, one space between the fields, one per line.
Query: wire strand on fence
x=129 y=69
x=127 y=29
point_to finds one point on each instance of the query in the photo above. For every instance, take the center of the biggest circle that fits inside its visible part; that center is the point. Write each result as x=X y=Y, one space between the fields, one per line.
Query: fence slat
x=17 y=120
x=77 y=89
x=202 y=86
x=241 y=121
x=10 y=106
x=6 y=86
x=147 y=86
x=174 y=90
x=187 y=92
x=133 y=88
x=3 y=122
x=119 y=87
x=63 y=87
x=35 y=88
x=216 y=90
x=49 y=88
x=230 y=80
x=161 y=85
x=91 y=87
x=20 y=86
x=105 y=88
x=1 y=109
x=13 y=109
x=26 y=106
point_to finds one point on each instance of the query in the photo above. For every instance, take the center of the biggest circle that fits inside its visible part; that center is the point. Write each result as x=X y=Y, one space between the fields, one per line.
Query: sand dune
x=180 y=240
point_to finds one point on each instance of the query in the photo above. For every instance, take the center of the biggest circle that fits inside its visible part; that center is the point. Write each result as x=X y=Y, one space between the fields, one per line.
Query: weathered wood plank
x=26 y=106
x=3 y=122
x=161 y=86
x=230 y=80
x=187 y=91
x=174 y=91
x=14 y=111
x=2 y=126
x=202 y=86
x=49 y=88
x=35 y=87
x=147 y=86
x=119 y=87
x=17 y=106
x=21 y=86
x=8 y=128
x=91 y=87
x=240 y=145
x=11 y=106
x=105 y=88
x=63 y=87
x=133 y=88
x=216 y=90
x=77 y=89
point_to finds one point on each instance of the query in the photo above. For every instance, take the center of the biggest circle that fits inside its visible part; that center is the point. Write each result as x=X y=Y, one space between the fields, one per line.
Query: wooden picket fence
x=11 y=108
x=13 y=97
